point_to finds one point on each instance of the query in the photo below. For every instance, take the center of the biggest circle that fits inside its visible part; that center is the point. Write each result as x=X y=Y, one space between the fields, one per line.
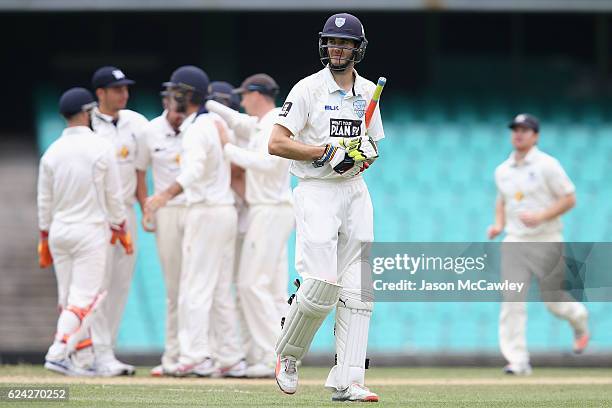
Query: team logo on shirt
x=344 y=128
x=359 y=106
x=124 y=152
x=177 y=158
x=518 y=196
x=285 y=109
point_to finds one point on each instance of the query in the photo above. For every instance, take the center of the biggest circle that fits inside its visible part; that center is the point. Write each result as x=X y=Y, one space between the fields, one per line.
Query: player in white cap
x=533 y=192
x=163 y=153
x=125 y=129
x=78 y=195
x=321 y=128
x=270 y=218
x=210 y=234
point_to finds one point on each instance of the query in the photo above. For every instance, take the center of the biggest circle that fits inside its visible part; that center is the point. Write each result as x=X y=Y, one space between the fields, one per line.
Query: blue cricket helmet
x=223 y=92
x=345 y=26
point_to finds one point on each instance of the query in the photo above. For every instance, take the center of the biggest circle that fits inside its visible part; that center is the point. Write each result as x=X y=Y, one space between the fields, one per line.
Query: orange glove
x=124 y=237
x=45 y=259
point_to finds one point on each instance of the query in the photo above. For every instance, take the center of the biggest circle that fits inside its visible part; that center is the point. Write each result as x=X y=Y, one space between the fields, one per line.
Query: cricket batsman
x=321 y=128
x=78 y=195
x=533 y=192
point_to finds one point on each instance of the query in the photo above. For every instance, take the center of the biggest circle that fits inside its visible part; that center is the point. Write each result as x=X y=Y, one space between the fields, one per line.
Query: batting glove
x=44 y=253
x=362 y=148
x=123 y=235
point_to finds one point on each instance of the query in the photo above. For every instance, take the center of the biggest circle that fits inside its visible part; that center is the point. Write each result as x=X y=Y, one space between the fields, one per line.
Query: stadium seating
x=433 y=183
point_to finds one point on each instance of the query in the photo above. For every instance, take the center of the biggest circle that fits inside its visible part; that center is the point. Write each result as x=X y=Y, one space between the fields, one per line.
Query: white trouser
x=269 y=227
x=79 y=257
x=170 y=228
x=216 y=337
x=117 y=281
x=205 y=295
x=544 y=259
x=280 y=282
x=333 y=219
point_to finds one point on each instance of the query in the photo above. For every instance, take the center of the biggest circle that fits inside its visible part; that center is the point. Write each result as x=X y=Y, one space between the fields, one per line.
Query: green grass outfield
x=397 y=387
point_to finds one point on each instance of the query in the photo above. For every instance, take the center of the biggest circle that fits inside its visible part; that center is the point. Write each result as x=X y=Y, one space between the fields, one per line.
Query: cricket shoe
x=518 y=369
x=286 y=374
x=355 y=392
x=261 y=370
x=581 y=342
x=109 y=366
x=67 y=367
x=204 y=369
x=237 y=370
x=158 y=371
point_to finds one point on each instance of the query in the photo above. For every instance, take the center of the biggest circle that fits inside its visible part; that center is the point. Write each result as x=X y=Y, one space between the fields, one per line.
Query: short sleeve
x=141 y=129
x=557 y=179
x=376 y=131
x=294 y=112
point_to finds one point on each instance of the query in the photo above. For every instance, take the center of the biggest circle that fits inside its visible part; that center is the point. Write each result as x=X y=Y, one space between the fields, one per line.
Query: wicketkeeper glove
x=123 y=235
x=44 y=254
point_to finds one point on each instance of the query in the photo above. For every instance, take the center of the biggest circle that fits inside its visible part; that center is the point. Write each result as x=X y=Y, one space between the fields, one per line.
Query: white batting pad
x=352 y=323
x=314 y=300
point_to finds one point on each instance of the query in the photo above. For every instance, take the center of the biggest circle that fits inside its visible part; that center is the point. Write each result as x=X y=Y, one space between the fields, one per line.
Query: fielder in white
x=126 y=131
x=270 y=217
x=533 y=192
x=320 y=127
x=78 y=194
x=163 y=150
x=210 y=234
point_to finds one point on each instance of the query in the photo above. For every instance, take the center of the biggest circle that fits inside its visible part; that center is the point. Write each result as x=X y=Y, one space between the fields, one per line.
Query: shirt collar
x=332 y=86
x=106 y=118
x=73 y=130
x=528 y=159
x=188 y=121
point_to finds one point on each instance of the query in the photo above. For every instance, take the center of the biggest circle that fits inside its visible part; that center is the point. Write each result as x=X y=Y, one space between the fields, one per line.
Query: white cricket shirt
x=267 y=177
x=531 y=185
x=128 y=137
x=317 y=110
x=205 y=173
x=78 y=181
x=163 y=151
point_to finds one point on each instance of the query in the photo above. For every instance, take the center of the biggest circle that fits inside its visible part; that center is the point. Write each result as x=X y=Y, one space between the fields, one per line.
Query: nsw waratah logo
x=359 y=107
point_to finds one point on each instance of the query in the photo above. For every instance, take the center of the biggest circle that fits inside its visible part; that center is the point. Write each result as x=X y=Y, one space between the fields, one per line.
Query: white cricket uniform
x=260 y=280
x=208 y=246
x=164 y=147
x=334 y=215
x=78 y=194
x=128 y=137
x=533 y=184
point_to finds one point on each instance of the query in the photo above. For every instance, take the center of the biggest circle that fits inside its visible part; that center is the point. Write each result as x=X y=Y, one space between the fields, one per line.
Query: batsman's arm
x=281 y=144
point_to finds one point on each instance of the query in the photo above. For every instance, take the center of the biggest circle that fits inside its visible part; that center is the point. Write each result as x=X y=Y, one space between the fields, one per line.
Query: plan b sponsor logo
x=344 y=128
